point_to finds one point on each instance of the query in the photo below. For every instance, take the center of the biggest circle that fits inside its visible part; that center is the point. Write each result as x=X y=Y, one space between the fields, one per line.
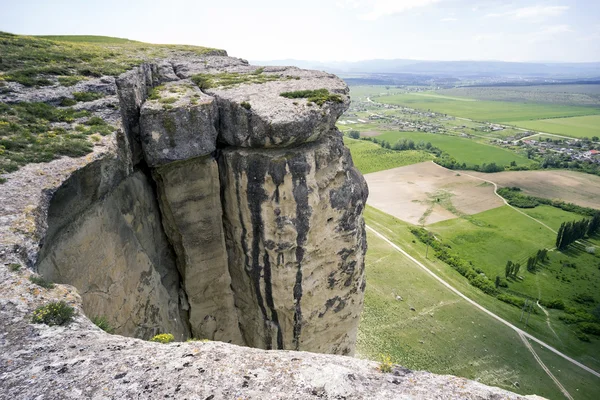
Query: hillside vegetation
x=41 y=61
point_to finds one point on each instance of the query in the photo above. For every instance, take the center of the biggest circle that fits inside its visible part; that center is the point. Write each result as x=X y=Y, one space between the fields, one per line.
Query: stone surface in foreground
x=79 y=361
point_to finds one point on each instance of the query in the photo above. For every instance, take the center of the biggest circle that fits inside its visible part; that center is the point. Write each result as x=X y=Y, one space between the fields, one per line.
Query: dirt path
x=485 y=310
x=504 y=200
x=547 y=319
x=541 y=363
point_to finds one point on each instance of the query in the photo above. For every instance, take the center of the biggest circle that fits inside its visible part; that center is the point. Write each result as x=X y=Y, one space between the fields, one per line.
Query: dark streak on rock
x=299 y=169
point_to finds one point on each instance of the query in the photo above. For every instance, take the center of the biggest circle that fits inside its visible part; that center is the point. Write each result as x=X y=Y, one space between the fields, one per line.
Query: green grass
x=370 y=157
x=229 y=79
x=88 y=39
x=452 y=338
x=493 y=111
x=463 y=150
x=34 y=61
x=28 y=136
x=578 y=127
x=570 y=95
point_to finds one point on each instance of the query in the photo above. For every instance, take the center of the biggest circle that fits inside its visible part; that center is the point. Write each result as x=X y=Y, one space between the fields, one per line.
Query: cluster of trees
x=512 y=269
x=539 y=257
x=570 y=232
x=515 y=198
x=564 y=161
x=474 y=275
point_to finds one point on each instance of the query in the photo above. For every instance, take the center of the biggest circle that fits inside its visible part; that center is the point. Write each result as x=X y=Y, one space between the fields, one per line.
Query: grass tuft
x=102 y=323
x=38 y=280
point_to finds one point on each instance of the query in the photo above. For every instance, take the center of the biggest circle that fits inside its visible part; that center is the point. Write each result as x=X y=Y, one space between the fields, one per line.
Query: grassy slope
x=87 y=39
x=370 y=157
x=463 y=150
x=389 y=274
x=502 y=234
x=27 y=59
x=494 y=111
x=586 y=126
x=445 y=334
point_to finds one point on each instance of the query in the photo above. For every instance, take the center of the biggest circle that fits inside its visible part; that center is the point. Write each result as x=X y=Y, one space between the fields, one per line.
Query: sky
x=332 y=30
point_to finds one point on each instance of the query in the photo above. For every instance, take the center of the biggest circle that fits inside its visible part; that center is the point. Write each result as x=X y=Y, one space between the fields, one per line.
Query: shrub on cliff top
x=163 y=338
x=55 y=313
x=319 y=96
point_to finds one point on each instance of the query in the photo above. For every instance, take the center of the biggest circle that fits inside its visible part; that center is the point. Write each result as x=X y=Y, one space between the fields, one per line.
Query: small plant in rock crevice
x=102 y=323
x=163 y=338
x=54 y=313
x=386 y=364
x=14 y=267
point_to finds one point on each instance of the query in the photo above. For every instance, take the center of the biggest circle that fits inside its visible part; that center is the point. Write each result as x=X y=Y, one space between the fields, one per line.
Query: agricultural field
x=570 y=95
x=493 y=111
x=370 y=157
x=577 y=127
x=570 y=186
x=444 y=327
x=462 y=149
x=426 y=193
x=489 y=239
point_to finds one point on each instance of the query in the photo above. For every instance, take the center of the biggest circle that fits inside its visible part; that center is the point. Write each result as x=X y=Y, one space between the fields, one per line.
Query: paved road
x=485 y=310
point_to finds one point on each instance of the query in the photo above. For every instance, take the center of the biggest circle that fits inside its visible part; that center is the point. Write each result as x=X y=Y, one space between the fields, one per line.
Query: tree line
x=570 y=232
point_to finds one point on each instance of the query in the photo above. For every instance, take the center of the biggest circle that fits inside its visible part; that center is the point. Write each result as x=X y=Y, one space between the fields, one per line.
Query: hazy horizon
x=337 y=31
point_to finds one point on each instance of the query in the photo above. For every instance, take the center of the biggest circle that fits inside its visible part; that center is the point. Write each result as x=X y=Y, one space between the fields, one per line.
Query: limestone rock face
x=180 y=123
x=296 y=244
x=189 y=195
x=117 y=255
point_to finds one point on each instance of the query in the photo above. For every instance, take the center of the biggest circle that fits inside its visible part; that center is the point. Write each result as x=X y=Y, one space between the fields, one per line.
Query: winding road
x=485 y=310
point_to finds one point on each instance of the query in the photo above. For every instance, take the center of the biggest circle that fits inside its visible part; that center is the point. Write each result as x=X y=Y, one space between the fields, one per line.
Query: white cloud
x=548 y=33
x=382 y=8
x=449 y=19
x=532 y=13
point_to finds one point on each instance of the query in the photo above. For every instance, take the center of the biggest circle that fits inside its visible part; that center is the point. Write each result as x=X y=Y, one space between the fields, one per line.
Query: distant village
x=535 y=144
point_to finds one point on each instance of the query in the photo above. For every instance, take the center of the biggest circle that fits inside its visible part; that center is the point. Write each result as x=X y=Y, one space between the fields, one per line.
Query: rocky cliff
x=226 y=211
x=223 y=206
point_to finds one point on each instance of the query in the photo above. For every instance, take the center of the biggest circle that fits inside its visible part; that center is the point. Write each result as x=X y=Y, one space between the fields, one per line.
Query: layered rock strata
x=258 y=237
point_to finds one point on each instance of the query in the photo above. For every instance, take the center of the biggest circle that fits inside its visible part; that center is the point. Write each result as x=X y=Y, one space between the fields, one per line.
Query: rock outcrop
x=219 y=210
x=239 y=210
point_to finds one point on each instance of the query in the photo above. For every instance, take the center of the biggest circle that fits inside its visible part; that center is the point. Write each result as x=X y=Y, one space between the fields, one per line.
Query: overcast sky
x=328 y=30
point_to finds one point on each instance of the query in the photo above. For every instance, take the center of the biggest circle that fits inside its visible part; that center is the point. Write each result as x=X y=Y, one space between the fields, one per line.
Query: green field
x=462 y=149
x=445 y=334
x=587 y=126
x=569 y=95
x=493 y=111
x=370 y=157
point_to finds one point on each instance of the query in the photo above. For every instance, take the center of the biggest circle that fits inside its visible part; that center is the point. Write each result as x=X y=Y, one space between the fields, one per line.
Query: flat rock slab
x=177 y=123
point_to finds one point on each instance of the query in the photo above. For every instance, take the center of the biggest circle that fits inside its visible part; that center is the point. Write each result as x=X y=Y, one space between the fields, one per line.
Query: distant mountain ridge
x=458 y=69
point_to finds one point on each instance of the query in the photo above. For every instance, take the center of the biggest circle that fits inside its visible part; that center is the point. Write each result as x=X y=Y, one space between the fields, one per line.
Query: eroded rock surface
x=79 y=361
x=118 y=257
x=189 y=195
x=296 y=244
